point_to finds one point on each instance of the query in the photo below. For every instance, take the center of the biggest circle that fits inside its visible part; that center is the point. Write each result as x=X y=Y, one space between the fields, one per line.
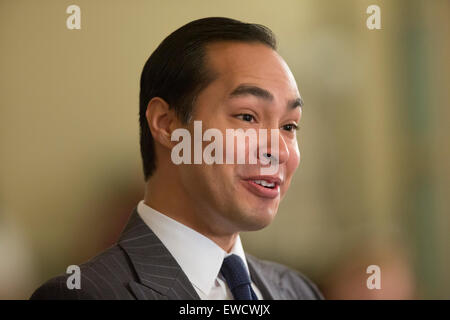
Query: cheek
x=293 y=161
x=291 y=166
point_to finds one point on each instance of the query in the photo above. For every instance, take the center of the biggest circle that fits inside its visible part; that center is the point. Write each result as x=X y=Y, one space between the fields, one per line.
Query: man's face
x=229 y=196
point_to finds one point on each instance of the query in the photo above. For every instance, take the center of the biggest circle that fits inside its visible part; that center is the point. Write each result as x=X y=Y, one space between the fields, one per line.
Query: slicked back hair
x=176 y=71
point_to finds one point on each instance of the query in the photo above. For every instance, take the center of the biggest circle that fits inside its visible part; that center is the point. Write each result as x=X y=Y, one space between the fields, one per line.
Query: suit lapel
x=260 y=278
x=159 y=275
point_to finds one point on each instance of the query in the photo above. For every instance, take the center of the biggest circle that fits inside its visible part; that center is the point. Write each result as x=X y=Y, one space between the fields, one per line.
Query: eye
x=290 y=127
x=246 y=117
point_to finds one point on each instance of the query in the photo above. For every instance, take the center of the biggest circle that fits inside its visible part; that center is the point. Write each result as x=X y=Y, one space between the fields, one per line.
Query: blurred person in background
x=396 y=277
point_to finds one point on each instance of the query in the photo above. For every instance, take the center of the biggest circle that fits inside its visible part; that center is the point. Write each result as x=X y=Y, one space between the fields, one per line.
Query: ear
x=161 y=120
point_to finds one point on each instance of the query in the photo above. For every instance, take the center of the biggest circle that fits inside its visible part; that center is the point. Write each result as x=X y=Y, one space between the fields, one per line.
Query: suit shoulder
x=105 y=276
x=57 y=289
x=293 y=284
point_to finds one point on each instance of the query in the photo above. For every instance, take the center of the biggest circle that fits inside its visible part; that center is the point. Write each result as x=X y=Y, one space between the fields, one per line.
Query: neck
x=161 y=190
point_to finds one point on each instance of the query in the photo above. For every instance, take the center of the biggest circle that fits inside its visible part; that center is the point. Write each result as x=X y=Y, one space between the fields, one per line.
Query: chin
x=258 y=219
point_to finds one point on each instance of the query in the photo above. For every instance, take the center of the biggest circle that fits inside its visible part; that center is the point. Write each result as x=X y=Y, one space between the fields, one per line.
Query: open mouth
x=265 y=188
x=265 y=184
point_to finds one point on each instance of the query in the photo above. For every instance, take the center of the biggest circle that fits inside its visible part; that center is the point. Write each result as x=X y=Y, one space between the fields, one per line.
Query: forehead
x=255 y=63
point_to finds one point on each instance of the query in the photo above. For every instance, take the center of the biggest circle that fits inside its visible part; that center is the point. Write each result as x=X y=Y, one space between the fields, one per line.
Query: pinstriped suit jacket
x=140 y=267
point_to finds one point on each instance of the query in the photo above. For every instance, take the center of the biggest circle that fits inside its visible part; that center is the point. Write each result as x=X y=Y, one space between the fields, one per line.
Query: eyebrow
x=245 y=89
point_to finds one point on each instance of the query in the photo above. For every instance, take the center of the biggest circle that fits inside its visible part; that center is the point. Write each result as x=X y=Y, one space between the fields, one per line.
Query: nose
x=274 y=151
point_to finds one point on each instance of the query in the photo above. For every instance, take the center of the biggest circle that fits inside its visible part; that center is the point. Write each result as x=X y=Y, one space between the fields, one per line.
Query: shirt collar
x=199 y=257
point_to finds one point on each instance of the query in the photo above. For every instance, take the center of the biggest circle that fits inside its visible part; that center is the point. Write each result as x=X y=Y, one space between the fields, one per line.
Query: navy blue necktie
x=234 y=271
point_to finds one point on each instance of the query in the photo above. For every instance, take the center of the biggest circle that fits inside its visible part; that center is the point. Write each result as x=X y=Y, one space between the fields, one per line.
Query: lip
x=261 y=191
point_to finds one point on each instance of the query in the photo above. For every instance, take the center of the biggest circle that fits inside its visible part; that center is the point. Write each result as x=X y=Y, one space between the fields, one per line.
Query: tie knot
x=234 y=271
x=238 y=280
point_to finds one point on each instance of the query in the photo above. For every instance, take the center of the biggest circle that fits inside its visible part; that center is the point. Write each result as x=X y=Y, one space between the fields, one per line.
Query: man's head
x=228 y=75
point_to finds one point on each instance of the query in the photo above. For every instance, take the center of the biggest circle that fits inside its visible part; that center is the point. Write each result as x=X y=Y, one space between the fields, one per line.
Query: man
x=182 y=240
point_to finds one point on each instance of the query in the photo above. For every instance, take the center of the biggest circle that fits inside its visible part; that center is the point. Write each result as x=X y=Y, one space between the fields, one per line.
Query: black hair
x=176 y=71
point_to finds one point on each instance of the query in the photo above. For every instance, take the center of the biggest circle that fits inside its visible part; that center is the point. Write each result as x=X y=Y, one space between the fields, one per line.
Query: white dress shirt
x=199 y=257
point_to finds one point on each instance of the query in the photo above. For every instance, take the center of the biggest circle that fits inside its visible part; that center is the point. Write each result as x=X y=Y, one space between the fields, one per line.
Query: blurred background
x=372 y=187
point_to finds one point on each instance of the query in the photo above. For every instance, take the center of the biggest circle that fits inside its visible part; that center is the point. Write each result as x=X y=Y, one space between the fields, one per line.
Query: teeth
x=265 y=183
